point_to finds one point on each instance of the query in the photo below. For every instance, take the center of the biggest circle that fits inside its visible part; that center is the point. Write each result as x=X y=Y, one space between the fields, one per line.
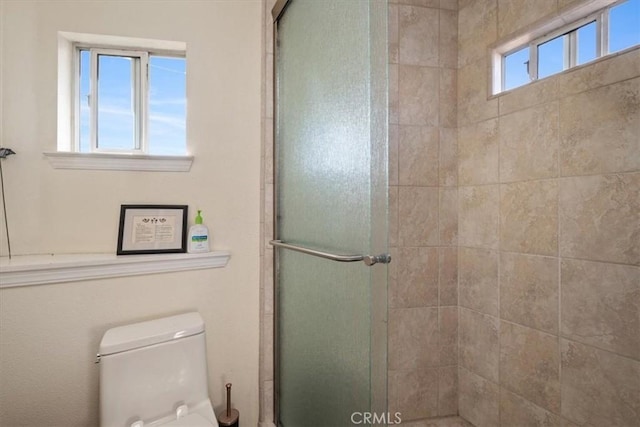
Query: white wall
x=49 y=334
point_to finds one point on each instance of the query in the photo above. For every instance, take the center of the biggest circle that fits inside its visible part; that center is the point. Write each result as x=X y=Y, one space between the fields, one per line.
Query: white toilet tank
x=150 y=370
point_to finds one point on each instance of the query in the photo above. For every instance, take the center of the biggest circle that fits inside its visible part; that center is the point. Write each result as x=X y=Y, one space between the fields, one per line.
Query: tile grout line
x=558 y=233
x=564 y=257
x=438 y=409
x=499 y=237
x=550 y=178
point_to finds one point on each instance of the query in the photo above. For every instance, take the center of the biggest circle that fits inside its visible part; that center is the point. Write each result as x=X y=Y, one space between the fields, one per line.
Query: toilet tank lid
x=143 y=334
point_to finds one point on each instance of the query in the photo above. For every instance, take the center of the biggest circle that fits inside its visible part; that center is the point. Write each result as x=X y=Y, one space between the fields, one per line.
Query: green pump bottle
x=198 y=237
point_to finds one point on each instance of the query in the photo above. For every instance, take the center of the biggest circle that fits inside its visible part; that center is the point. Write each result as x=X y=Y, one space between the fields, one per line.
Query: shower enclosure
x=330 y=247
x=513 y=292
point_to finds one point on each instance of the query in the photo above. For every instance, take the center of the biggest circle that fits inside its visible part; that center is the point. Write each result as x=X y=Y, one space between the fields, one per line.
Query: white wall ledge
x=27 y=270
x=122 y=162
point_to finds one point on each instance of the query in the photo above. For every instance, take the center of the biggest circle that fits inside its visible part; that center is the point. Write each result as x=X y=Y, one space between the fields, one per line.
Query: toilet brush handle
x=230 y=417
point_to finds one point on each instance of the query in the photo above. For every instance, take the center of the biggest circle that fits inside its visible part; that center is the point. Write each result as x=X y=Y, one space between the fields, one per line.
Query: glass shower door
x=331 y=196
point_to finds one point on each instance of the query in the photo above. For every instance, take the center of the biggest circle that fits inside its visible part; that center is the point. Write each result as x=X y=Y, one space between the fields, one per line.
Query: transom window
x=130 y=101
x=606 y=31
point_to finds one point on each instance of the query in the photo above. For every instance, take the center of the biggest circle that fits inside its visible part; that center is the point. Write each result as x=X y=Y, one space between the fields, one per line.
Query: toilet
x=155 y=374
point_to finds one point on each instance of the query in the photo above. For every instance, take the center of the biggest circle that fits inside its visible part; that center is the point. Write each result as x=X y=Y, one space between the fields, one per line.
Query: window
x=130 y=101
x=516 y=69
x=121 y=104
x=624 y=25
x=600 y=33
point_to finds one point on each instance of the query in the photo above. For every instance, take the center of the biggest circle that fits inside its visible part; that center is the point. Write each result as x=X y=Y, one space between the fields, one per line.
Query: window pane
x=116 y=103
x=516 y=69
x=586 y=43
x=167 y=105
x=551 y=57
x=84 y=104
x=624 y=25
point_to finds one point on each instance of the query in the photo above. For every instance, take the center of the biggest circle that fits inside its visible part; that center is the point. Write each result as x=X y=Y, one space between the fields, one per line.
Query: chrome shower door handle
x=369 y=260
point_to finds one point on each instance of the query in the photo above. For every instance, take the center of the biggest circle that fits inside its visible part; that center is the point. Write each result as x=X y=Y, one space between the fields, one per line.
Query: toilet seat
x=191 y=420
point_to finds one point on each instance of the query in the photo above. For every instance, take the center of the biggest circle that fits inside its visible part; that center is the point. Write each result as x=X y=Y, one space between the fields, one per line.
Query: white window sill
x=27 y=270
x=121 y=162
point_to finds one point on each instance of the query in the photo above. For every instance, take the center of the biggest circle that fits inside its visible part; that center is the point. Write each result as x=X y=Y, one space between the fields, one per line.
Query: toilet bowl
x=155 y=374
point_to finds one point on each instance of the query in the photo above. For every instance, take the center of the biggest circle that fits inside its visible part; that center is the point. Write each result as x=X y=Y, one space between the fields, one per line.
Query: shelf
x=122 y=162
x=27 y=270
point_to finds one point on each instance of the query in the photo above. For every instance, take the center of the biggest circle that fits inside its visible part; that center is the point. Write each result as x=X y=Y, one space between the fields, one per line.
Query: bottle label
x=199 y=238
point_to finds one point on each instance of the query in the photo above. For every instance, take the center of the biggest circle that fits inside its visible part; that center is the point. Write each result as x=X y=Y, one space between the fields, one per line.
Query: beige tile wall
x=423 y=201
x=549 y=235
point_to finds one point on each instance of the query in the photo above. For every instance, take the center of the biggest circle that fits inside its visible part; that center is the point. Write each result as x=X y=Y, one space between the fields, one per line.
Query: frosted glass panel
x=331 y=168
x=324 y=341
x=323 y=118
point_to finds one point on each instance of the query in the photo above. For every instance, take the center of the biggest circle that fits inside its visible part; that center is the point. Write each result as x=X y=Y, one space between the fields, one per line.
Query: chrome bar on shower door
x=369 y=260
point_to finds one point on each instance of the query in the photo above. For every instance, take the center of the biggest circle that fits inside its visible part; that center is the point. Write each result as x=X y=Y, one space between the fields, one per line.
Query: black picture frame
x=152 y=229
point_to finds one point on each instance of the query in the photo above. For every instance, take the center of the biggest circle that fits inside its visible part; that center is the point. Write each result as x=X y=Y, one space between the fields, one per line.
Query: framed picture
x=152 y=229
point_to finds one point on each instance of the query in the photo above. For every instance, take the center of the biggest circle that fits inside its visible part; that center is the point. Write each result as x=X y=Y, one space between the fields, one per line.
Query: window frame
x=140 y=81
x=65 y=156
x=569 y=33
x=551 y=31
